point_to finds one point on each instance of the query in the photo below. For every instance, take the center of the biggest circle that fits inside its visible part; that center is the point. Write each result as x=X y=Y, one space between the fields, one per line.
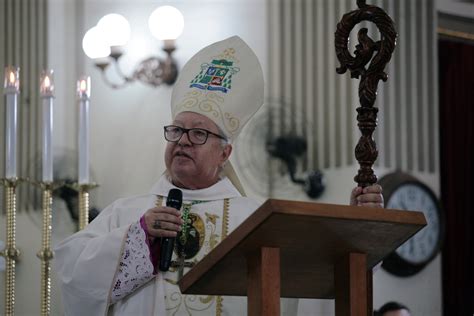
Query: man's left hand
x=370 y=196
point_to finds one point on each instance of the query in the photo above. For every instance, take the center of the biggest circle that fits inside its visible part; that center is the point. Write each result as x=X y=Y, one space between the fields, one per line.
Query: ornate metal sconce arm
x=153 y=71
x=366 y=151
x=103 y=67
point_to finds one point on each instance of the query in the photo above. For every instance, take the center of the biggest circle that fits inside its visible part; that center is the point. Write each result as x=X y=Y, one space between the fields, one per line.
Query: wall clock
x=405 y=192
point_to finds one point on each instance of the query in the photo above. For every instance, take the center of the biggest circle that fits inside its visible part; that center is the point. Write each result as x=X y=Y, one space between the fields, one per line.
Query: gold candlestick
x=46 y=253
x=11 y=253
x=84 y=203
x=83 y=207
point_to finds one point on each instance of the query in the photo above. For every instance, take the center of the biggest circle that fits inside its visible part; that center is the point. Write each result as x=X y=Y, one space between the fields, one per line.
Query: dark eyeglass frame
x=187 y=130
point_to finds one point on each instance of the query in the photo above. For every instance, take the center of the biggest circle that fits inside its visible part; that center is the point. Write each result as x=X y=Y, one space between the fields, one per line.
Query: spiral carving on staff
x=366 y=150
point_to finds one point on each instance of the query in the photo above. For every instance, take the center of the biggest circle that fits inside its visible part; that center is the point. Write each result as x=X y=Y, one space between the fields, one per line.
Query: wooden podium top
x=312 y=237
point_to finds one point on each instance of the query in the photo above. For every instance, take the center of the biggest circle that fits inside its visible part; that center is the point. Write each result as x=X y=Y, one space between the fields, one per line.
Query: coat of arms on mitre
x=217 y=75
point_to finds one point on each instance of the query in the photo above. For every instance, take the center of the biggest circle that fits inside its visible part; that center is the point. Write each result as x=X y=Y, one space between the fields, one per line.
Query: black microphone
x=174 y=200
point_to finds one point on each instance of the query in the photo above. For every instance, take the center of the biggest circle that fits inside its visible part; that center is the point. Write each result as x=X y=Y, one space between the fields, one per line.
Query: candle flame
x=47 y=82
x=12 y=77
x=83 y=86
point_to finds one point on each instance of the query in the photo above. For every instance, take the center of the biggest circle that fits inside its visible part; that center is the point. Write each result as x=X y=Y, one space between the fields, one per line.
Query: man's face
x=195 y=166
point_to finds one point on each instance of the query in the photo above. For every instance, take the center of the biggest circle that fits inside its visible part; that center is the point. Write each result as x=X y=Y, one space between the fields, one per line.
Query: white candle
x=11 y=91
x=83 y=92
x=47 y=94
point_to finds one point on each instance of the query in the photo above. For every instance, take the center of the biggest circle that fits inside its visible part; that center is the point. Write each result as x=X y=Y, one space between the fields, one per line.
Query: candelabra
x=11 y=180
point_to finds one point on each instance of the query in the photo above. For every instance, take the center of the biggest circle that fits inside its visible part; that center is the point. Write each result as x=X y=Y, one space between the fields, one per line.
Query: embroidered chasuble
x=106 y=269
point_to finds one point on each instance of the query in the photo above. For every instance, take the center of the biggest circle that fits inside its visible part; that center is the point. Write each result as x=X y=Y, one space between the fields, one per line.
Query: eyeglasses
x=197 y=136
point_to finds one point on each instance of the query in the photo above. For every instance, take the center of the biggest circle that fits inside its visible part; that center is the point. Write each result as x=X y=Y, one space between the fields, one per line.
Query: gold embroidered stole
x=176 y=297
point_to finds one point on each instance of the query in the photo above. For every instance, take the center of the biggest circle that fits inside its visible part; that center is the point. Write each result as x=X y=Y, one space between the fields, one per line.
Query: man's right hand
x=163 y=221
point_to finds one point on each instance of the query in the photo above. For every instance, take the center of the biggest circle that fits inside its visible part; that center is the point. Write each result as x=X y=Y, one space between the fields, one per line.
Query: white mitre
x=224 y=82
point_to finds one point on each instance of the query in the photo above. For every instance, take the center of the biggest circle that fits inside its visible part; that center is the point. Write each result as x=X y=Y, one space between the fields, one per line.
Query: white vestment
x=90 y=262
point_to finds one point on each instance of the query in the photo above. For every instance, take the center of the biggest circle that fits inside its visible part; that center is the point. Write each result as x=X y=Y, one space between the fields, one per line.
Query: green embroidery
x=183 y=236
x=216 y=76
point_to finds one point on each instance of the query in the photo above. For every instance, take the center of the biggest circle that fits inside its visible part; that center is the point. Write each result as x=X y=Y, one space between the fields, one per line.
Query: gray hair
x=224 y=142
x=224 y=139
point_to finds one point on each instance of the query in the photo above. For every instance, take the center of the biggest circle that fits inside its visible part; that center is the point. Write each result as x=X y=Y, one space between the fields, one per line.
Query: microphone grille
x=175 y=198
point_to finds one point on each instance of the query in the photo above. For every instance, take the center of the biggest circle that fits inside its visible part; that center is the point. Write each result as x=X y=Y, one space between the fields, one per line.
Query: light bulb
x=94 y=44
x=166 y=23
x=115 y=28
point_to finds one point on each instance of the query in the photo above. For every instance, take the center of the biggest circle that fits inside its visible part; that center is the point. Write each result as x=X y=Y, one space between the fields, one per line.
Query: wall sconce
x=104 y=44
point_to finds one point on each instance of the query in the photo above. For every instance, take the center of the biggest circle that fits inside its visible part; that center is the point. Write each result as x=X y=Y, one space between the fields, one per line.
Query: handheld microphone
x=174 y=200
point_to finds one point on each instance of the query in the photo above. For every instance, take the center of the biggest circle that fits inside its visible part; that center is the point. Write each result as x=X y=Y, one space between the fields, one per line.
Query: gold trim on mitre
x=209 y=104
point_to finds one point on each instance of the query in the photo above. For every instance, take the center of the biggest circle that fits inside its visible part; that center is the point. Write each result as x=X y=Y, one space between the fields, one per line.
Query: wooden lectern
x=303 y=250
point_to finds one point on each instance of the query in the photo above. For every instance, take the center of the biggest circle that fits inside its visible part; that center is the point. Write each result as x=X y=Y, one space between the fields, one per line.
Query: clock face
x=424 y=245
